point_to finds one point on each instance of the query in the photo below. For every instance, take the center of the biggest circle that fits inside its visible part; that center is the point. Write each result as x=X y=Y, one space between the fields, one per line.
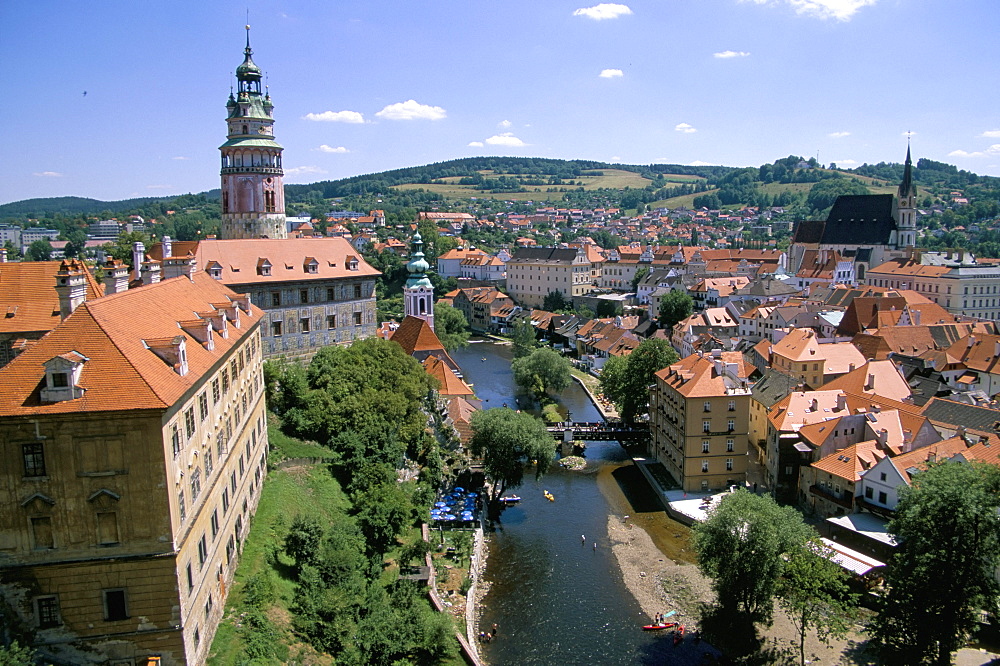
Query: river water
x=556 y=599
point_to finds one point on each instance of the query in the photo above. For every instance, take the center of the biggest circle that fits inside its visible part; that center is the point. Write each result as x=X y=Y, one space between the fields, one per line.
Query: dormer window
x=263 y=267
x=62 y=373
x=215 y=270
x=352 y=263
x=172 y=351
x=311 y=265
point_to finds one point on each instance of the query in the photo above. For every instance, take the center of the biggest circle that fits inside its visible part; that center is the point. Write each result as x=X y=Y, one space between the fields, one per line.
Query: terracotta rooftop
x=850 y=462
x=28 y=298
x=697 y=375
x=450 y=383
x=875 y=378
x=122 y=372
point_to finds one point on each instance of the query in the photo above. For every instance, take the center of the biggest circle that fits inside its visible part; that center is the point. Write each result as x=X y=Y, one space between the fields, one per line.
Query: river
x=555 y=599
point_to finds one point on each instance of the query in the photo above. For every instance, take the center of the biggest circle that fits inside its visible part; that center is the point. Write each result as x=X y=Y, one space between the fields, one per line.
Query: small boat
x=659 y=626
x=549 y=496
x=510 y=499
x=679 y=635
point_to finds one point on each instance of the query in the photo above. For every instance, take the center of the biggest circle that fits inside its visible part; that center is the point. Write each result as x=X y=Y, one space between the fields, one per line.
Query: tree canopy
x=675 y=307
x=625 y=380
x=544 y=370
x=450 y=326
x=554 y=302
x=943 y=571
x=506 y=441
x=523 y=338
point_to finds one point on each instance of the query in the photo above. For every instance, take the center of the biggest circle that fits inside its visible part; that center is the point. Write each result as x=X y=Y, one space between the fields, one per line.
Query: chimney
x=962 y=433
x=841 y=402
x=876 y=409
x=168 y=247
x=972 y=341
x=996 y=348
x=870 y=385
x=150 y=272
x=815 y=405
x=916 y=317
x=115 y=277
x=3 y=255
x=850 y=367
x=138 y=255
x=907 y=441
x=71 y=285
x=882 y=437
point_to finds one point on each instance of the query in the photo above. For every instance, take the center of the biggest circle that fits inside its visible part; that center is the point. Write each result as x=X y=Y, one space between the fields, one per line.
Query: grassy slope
x=612 y=178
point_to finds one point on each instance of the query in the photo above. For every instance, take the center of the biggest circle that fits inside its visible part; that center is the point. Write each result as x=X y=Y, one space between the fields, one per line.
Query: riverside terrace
x=611 y=430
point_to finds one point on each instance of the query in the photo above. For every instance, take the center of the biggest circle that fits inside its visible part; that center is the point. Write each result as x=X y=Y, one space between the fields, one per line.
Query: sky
x=120 y=99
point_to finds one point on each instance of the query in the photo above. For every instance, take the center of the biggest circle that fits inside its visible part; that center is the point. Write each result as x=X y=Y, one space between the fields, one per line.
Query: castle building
x=418 y=293
x=867 y=229
x=132 y=453
x=253 y=198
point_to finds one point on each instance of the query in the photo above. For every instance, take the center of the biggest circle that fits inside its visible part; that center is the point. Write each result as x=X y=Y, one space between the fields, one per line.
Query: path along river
x=556 y=599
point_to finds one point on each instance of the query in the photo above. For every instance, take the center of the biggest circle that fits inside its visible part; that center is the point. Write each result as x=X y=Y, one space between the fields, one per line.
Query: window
x=304 y=324
x=41 y=533
x=882 y=498
x=180 y=505
x=208 y=462
x=197 y=636
x=232 y=483
x=788 y=470
x=730 y=445
x=114 y=605
x=357 y=291
x=331 y=322
x=107 y=528
x=357 y=318
x=202 y=551
x=729 y=464
x=175 y=439
x=704 y=465
x=47 y=611
x=706 y=426
x=276 y=328
x=202 y=407
x=704 y=446
x=731 y=425
x=34 y=459
x=303 y=295
x=234 y=370
x=225 y=500
x=881 y=476
x=239 y=526
x=190 y=577
x=215 y=523
x=242 y=467
x=208 y=607
x=215 y=391
x=732 y=405
x=189 y=422
x=230 y=548
x=195 y=485
x=225 y=381
x=275 y=299
x=330 y=294
x=708 y=406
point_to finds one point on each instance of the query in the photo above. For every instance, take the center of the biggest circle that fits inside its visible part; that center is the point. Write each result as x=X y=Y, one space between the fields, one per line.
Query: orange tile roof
x=415 y=335
x=28 y=298
x=978 y=352
x=695 y=376
x=920 y=458
x=450 y=383
x=876 y=378
x=851 y=461
x=122 y=372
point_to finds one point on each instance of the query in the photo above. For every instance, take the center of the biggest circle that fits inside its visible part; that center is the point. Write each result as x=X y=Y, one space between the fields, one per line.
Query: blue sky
x=362 y=86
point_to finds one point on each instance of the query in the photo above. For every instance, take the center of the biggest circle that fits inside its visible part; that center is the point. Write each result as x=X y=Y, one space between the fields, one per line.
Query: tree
x=675 y=307
x=813 y=591
x=625 y=380
x=607 y=308
x=382 y=513
x=523 y=338
x=542 y=371
x=39 y=250
x=13 y=251
x=554 y=302
x=303 y=539
x=943 y=571
x=17 y=655
x=740 y=547
x=639 y=276
x=823 y=194
x=507 y=440
x=76 y=243
x=450 y=326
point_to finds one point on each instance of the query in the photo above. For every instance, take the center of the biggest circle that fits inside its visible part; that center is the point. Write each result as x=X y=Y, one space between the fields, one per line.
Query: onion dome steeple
x=248 y=74
x=418 y=293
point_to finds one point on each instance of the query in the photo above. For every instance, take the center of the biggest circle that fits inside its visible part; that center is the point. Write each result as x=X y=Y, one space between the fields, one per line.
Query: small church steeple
x=906 y=206
x=418 y=293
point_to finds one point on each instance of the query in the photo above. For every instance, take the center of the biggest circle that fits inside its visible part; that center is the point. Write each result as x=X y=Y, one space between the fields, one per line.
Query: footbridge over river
x=600 y=431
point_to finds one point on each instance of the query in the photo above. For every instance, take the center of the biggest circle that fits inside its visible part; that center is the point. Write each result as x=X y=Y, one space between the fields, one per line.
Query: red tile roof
x=28 y=298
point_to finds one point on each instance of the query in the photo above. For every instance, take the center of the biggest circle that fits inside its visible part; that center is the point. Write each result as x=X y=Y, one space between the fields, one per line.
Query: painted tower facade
x=906 y=207
x=418 y=293
x=253 y=198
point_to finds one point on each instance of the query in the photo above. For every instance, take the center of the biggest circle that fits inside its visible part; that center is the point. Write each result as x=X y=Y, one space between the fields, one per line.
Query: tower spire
x=418 y=294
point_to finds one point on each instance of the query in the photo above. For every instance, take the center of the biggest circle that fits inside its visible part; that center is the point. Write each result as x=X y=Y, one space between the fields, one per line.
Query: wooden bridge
x=600 y=431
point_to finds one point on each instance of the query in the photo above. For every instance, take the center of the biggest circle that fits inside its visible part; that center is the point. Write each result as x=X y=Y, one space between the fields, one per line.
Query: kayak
x=510 y=499
x=660 y=626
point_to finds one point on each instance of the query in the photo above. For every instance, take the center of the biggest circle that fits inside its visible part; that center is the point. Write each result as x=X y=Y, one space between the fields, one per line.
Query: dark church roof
x=809 y=231
x=860 y=219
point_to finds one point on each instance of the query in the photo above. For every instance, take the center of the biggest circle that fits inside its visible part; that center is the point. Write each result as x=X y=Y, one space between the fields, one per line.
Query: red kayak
x=679 y=635
x=660 y=626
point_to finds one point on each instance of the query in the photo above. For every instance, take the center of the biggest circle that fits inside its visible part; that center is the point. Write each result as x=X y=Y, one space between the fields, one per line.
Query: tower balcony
x=274 y=171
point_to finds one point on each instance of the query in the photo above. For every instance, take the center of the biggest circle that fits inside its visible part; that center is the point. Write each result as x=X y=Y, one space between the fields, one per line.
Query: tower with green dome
x=418 y=293
x=253 y=197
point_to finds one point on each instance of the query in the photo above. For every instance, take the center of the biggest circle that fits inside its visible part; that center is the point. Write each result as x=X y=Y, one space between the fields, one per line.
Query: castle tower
x=418 y=293
x=253 y=198
x=906 y=207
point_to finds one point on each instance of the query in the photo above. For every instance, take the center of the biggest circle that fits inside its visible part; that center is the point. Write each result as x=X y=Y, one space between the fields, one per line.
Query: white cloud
x=48 y=174
x=731 y=54
x=353 y=117
x=504 y=124
x=838 y=135
x=699 y=163
x=605 y=10
x=330 y=149
x=991 y=134
x=611 y=73
x=992 y=150
x=505 y=139
x=298 y=171
x=411 y=110
x=180 y=157
x=476 y=144
x=685 y=128
x=841 y=10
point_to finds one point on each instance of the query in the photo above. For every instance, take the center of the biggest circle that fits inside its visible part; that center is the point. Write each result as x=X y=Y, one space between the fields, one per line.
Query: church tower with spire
x=906 y=207
x=253 y=198
x=418 y=293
